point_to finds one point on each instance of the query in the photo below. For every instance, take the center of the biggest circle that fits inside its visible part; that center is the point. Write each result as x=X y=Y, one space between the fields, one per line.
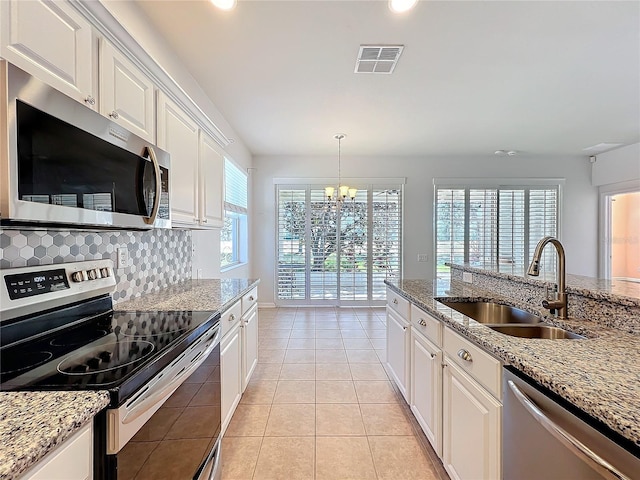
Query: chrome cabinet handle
x=114 y=115
x=90 y=100
x=151 y=219
x=395 y=301
x=465 y=355
x=592 y=459
x=422 y=322
x=232 y=317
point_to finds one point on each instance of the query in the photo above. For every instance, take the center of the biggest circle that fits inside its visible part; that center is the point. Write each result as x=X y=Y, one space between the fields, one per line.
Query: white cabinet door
x=211 y=183
x=471 y=427
x=73 y=460
x=426 y=388
x=230 y=373
x=126 y=94
x=398 y=350
x=249 y=344
x=178 y=134
x=51 y=40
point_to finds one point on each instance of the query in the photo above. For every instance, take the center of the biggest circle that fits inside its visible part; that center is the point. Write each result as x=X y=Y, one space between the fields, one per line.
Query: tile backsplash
x=157 y=258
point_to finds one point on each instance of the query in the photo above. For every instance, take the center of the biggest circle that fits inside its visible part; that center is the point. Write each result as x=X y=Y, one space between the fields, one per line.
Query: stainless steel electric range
x=59 y=331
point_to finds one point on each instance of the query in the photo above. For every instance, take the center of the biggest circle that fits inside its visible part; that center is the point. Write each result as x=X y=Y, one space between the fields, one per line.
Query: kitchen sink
x=492 y=313
x=535 y=331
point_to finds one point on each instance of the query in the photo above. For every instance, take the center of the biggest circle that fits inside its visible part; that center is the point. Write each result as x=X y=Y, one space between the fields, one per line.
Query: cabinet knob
x=433 y=355
x=232 y=317
x=251 y=299
x=422 y=322
x=465 y=355
x=114 y=115
x=395 y=301
x=204 y=220
x=90 y=100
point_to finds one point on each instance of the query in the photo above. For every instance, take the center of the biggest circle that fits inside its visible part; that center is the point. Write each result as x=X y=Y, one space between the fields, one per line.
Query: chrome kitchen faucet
x=560 y=303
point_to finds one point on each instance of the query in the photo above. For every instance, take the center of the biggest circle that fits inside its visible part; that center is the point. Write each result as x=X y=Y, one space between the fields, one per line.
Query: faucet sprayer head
x=534 y=268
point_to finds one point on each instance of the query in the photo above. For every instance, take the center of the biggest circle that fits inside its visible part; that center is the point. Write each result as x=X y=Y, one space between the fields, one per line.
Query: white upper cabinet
x=52 y=41
x=178 y=134
x=126 y=94
x=211 y=183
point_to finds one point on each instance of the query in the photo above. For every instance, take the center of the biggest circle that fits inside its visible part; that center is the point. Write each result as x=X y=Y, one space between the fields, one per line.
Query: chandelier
x=340 y=193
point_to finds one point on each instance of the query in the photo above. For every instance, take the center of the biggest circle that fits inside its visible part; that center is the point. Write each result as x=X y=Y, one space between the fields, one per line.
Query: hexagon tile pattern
x=157 y=258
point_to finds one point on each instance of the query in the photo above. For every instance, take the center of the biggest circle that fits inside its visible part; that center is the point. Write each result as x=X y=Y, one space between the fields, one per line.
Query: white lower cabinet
x=230 y=373
x=471 y=427
x=398 y=350
x=73 y=460
x=249 y=344
x=426 y=388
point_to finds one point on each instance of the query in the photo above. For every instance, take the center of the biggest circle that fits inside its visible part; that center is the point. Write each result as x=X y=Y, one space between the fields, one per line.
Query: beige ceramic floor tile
x=357 y=344
x=353 y=333
x=333 y=371
x=368 y=371
x=327 y=324
x=270 y=356
x=291 y=420
x=301 y=343
x=300 y=356
x=272 y=343
x=240 y=457
x=259 y=392
x=248 y=421
x=295 y=391
x=375 y=392
x=340 y=458
x=339 y=419
x=377 y=334
x=298 y=371
x=397 y=458
x=275 y=323
x=328 y=334
x=267 y=371
x=385 y=419
x=329 y=343
x=274 y=332
x=309 y=332
x=362 y=356
x=286 y=458
x=382 y=354
x=379 y=343
x=335 y=391
x=331 y=356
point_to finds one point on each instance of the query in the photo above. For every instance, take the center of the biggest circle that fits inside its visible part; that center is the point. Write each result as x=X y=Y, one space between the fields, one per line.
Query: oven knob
x=94 y=363
x=93 y=274
x=106 y=356
x=105 y=272
x=77 y=277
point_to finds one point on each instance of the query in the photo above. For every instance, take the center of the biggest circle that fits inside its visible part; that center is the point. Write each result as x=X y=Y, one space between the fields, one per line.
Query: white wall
x=579 y=229
x=206 y=242
x=616 y=166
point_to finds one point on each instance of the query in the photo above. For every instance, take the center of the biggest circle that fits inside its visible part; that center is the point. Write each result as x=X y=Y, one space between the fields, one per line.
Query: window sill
x=232 y=266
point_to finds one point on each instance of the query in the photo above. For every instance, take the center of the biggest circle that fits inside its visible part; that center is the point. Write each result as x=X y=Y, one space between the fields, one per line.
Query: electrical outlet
x=423 y=257
x=123 y=257
x=467 y=277
x=199 y=273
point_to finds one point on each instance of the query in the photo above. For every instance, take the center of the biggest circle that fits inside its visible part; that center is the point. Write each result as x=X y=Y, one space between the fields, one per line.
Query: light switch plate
x=467 y=277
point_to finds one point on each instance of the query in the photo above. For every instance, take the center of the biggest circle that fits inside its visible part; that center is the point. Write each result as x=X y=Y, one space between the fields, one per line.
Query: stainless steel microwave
x=63 y=164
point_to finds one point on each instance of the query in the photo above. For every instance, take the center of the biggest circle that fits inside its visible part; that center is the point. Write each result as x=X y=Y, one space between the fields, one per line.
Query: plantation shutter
x=386 y=239
x=235 y=188
x=292 y=244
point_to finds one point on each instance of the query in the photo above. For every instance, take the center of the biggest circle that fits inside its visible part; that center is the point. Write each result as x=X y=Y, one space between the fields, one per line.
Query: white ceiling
x=540 y=77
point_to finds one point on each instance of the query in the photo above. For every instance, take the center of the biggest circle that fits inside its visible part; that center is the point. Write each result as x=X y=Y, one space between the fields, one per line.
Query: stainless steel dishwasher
x=544 y=440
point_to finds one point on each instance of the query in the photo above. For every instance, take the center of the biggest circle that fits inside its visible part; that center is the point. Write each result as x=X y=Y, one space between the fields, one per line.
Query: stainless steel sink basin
x=535 y=331
x=492 y=313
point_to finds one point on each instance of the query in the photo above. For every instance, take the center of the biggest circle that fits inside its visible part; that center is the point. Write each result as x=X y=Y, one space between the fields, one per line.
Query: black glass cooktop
x=116 y=351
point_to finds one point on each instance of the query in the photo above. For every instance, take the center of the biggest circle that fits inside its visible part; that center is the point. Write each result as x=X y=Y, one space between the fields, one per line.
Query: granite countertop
x=598 y=375
x=34 y=423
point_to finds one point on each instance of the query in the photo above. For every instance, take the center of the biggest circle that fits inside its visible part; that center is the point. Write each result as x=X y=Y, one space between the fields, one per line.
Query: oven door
x=175 y=436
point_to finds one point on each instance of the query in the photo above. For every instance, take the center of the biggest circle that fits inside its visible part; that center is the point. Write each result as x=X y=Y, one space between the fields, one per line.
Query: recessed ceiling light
x=399 y=6
x=225 y=4
x=601 y=147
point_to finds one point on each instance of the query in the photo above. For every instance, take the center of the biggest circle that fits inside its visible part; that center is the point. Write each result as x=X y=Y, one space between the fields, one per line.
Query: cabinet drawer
x=397 y=303
x=230 y=317
x=249 y=300
x=484 y=368
x=427 y=325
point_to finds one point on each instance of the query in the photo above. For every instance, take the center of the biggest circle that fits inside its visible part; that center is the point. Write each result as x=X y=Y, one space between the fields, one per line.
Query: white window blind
x=495 y=227
x=337 y=254
x=235 y=188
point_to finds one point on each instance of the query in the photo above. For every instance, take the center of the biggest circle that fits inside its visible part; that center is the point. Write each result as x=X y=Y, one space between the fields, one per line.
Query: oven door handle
x=587 y=455
x=162 y=389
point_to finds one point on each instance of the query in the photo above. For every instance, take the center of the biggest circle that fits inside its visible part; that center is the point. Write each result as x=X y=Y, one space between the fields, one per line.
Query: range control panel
x=26 y=290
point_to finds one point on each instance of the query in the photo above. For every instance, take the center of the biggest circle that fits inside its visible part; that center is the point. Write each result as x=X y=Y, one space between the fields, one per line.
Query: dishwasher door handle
x=591 y=458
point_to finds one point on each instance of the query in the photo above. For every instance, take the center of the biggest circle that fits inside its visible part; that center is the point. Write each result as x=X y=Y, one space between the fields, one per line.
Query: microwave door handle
x=150 y=220
x=587 y=455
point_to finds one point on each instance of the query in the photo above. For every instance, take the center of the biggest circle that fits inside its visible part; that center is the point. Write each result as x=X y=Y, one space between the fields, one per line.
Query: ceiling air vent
x=378 y=58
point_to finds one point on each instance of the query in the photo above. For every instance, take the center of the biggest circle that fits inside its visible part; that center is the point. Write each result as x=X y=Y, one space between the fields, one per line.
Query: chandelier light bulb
x=400 y=6
x=328 y=191
x=225 y=4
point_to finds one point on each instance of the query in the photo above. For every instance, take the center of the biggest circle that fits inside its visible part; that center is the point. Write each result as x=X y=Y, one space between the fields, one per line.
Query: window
x=494 y=227
x=337 y=253
x=233 y=236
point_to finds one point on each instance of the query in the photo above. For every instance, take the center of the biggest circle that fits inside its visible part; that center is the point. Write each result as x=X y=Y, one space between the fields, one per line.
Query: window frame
x=238 y=213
